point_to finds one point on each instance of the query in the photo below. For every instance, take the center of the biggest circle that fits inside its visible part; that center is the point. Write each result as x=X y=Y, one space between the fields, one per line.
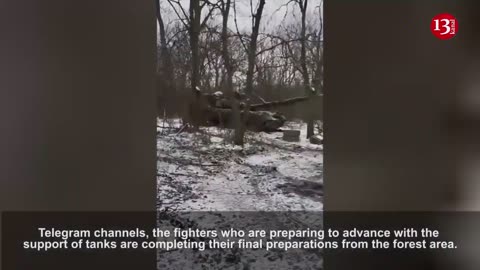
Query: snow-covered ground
x=203 y=171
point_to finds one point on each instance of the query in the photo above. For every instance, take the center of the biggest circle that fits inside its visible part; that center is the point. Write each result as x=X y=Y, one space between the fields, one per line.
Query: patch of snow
x=203 y=171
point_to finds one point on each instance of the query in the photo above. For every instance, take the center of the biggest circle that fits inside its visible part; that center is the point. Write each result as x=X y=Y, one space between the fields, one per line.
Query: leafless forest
x=240 y=89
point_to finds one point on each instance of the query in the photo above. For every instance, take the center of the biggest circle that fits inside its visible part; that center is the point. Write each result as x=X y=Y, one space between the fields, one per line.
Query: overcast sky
x=275 y=13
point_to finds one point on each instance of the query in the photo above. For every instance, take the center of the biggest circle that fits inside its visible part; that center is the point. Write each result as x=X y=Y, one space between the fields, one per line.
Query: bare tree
x=269 y=65
x=225 y=7
x=194 y=23
x=303 y=5
x=166 y=62
x=251 y=60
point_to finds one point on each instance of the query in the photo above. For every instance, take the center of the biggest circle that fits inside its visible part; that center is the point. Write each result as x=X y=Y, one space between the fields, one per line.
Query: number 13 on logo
x=444 y=26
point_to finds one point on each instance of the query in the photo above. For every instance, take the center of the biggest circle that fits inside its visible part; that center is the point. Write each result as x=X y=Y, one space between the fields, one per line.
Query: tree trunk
x=195 y=13
x=163 y=39
x=226 y=5
x=252 y=52
x=303 y=4
x=194 y=33
x=165 y=65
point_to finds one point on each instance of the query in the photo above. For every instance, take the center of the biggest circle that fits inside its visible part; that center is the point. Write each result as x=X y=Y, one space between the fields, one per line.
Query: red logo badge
x=444 y=26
